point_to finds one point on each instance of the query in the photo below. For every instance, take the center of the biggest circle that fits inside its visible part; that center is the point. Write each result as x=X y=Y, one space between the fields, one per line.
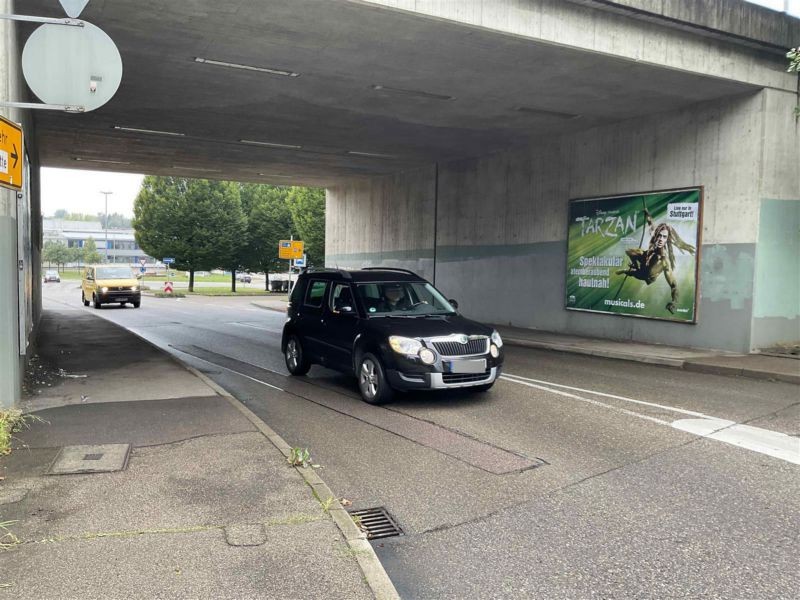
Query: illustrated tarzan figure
x=659 y=257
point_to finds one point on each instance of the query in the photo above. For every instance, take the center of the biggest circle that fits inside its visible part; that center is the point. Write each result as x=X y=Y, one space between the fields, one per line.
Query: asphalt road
x=574 y=477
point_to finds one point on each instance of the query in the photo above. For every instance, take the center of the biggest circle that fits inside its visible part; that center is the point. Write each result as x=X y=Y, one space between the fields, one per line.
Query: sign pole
x=289 y=285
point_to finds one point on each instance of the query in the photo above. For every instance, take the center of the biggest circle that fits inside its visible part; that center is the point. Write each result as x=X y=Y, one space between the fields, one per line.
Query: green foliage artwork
x=635 y=255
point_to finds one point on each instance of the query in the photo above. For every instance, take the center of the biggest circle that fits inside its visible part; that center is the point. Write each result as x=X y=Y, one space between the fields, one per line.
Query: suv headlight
x=404 y=345
x=496 y=339
x=135 y=288
x=104 y=290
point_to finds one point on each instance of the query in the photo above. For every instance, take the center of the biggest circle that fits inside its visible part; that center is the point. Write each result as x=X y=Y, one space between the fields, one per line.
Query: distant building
x=122 y=246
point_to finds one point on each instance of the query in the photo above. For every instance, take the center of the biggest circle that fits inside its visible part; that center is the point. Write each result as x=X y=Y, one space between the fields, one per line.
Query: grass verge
x=12 y=420
x=210 y=291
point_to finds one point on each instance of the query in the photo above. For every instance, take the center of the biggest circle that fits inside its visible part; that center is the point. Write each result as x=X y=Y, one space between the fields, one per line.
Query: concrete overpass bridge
x=450 y=136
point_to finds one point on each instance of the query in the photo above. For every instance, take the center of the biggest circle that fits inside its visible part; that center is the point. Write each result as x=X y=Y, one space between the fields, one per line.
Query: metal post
x=289 y=285
x=106 y=194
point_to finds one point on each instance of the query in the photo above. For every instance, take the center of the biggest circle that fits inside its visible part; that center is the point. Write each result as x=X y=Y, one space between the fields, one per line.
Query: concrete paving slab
x=146 y=423
x=209 y=481
x=308 y=560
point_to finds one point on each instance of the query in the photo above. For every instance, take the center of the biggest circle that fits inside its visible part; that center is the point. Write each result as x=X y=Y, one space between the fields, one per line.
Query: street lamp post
x=106 y=194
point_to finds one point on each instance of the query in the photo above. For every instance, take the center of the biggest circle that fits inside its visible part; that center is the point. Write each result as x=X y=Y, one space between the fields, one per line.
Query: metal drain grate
x=376 y=522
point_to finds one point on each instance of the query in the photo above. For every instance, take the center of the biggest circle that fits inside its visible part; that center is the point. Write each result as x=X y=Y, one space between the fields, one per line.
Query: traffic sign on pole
x=11 y=154
x=143 y=261
x=167 y=287
x=167 y=261
x=300 y=263
x=290 y=249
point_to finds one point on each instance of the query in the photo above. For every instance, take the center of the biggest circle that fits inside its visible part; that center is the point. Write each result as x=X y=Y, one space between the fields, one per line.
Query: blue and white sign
x=167 y=261
x=142 y=269
x=300 y=262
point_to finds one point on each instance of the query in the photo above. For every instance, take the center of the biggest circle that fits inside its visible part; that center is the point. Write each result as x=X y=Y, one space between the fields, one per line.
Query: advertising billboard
x=635 y=255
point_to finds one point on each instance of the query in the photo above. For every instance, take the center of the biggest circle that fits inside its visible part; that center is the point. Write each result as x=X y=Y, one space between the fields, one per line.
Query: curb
x=656 y=360
x=375 y=575
x=261 y=306
x=686 y=365
x=741 y=372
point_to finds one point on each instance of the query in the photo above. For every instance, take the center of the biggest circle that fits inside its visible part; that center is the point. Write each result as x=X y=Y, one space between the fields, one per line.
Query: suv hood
x=426 y=327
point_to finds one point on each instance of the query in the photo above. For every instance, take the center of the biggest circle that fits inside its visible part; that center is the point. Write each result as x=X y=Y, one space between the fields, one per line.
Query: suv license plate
x=466 y=366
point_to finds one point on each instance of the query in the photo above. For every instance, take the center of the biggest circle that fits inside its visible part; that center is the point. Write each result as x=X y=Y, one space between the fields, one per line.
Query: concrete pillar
x=20 y=232
x=9 y=332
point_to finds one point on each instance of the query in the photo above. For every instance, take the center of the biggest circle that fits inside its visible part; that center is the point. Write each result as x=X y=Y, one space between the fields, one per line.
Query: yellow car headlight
x=104 y=290
x=404 y=345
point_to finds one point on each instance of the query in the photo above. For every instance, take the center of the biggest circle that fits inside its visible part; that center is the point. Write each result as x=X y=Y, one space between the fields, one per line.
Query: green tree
x=115 y=221
x=75 y=255
x=307 y=206
x=55 y=253
x=60 y=214
x=269 y=221
x=198 y=222
x=90 y=253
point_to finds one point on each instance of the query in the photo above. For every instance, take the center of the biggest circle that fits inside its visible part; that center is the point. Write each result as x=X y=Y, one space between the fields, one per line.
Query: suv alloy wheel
x=372 y=381
x=295 y=358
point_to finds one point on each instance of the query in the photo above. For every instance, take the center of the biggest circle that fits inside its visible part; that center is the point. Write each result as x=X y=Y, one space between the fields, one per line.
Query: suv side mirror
x=453 y=303
x=345 y=310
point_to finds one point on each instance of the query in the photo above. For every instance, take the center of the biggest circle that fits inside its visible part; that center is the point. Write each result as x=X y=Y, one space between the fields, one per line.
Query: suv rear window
x=316 y=293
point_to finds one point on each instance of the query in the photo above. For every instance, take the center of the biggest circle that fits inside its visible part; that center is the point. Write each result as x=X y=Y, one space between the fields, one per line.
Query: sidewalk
x=179 y=493
x=759 y=366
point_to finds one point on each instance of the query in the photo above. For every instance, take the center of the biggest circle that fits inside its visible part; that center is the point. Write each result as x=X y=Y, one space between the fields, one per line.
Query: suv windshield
x=114 y=273
x=402 y=298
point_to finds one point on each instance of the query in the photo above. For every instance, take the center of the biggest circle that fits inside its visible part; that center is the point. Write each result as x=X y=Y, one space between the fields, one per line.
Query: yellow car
x=103 y=284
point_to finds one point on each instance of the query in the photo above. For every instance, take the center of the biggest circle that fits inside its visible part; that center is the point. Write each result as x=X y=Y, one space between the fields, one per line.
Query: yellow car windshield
x=114 y=273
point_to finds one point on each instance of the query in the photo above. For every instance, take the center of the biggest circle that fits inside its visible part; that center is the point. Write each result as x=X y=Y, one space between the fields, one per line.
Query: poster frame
x=698 y=253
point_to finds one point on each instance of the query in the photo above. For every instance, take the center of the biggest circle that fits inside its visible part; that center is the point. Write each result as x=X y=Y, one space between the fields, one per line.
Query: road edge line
x=374 y=573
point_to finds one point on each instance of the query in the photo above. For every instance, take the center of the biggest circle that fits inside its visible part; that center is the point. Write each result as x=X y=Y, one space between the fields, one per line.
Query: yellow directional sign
x=11 y=153
x=290 y=249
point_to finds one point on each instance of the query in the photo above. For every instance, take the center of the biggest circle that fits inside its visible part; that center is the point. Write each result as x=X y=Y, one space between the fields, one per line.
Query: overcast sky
x=79 y=191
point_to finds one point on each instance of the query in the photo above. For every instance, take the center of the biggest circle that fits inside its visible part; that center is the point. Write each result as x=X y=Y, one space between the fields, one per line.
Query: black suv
x=390 y=328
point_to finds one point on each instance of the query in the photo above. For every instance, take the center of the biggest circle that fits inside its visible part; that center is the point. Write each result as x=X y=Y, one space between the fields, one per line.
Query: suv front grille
x=465 y=377
x=478 y=346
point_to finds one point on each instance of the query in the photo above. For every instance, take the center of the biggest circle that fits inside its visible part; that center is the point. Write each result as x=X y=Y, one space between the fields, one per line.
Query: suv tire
x=84 y=300
x=295 y=358
x=372 y=381
x=97 y=303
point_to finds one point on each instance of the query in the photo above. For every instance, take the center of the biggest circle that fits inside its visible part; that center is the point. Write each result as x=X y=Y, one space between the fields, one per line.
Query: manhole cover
x=90 y=459
x=376 y=522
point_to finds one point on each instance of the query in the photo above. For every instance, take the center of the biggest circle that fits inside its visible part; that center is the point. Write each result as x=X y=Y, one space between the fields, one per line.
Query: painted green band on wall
x=777 y=280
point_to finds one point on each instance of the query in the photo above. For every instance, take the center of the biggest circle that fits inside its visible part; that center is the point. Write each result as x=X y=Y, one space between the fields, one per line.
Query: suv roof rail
x=389 y=269
x=342 y=272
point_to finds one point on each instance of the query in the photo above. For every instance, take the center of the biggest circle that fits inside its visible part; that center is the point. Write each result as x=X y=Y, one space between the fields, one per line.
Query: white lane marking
x=614 y=396
x=764 y=441
x=772 y=443
x=274 y=387
x=255 y=327
x=588 y=400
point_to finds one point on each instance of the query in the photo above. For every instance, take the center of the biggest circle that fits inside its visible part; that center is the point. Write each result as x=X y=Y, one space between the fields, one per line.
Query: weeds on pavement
x=12 y=420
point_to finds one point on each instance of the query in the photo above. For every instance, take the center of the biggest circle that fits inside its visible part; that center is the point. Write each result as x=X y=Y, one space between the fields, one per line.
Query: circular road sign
x=70 y=65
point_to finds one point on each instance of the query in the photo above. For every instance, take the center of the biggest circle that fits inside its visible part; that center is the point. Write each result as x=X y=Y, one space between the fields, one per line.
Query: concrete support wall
x=387 y=221
x=776 y=302
x=598 y=26
x=501 y=228
x=17 y=288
